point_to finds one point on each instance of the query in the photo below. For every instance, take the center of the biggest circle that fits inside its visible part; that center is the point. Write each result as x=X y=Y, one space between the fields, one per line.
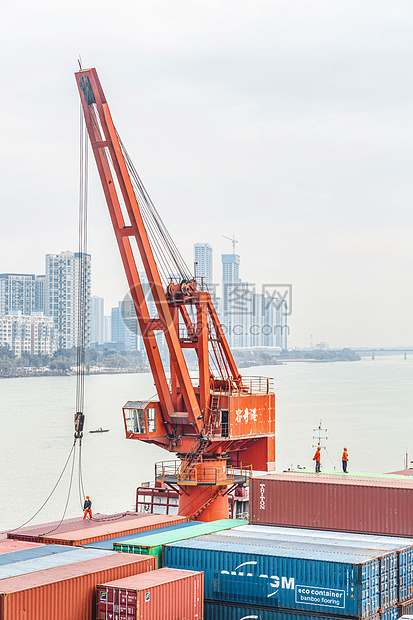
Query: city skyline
x=250 y=319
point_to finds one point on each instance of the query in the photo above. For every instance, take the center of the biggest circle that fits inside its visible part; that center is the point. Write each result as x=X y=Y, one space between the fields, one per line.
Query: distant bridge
x=373 y=352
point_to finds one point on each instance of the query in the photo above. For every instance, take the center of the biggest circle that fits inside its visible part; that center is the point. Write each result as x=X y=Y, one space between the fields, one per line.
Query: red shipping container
x=67 y=592
x=165 y=594
x=68 y=525
x=77 y=535
x=334 y=502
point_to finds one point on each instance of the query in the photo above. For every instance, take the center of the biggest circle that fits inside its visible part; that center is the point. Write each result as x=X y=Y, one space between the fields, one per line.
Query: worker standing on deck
x=317 y=459
x=87 y=507
x=344 y=460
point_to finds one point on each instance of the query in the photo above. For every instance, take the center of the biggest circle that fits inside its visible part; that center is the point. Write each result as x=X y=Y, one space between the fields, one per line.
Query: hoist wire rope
x=49 y=496
x=81 y=325
x=67 y=497
x=80 y=478
x=82 y=271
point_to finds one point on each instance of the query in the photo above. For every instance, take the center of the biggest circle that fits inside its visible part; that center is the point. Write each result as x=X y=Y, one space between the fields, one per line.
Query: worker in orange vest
x=344 y=460
x=87 y=507
x=317 y=459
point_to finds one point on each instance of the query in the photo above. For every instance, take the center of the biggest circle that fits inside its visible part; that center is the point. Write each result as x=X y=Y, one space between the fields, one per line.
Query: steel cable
x=49 y=496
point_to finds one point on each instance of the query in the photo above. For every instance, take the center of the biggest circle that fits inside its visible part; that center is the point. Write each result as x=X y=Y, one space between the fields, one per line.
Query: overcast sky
x=287 y=123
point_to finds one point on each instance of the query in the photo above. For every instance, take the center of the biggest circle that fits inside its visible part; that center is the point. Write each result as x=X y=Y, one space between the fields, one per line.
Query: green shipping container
x=152 y=544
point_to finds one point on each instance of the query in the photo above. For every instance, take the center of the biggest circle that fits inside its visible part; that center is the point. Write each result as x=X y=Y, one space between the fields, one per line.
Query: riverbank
x=110 y=362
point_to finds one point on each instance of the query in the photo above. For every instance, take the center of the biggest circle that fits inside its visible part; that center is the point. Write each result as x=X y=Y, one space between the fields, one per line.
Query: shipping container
x=342 y=584
x=226 y=611
x=53 y=560
x=67 y=592
x=152 y=543
x=79 y=536
x=109 y=542
x=68 y=525
x=7 y=545
x=334 y=502
x=164 y=594
x=401 y=564
x=387 y=577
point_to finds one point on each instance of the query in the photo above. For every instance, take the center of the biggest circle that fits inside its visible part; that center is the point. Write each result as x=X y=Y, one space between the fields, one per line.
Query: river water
x=366 y=406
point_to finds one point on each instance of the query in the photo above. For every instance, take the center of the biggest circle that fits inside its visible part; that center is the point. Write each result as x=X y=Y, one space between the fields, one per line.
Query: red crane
x=216 y=421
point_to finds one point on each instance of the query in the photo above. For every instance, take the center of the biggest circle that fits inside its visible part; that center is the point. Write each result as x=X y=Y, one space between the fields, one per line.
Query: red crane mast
x=216 y=422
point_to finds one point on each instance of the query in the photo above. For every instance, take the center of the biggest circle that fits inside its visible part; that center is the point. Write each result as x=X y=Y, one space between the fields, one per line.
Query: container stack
x=300 y=573
x=61 y=584
x=164 y=594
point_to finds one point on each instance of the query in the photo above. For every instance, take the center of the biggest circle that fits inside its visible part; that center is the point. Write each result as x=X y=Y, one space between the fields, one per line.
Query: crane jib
x=218 y=421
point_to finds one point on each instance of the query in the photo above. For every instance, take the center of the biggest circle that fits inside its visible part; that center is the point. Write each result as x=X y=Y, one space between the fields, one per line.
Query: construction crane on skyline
x=218 y=420
x=233 y=241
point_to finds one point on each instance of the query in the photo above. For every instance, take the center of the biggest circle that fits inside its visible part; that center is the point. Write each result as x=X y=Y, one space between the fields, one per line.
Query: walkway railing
x=201 y=474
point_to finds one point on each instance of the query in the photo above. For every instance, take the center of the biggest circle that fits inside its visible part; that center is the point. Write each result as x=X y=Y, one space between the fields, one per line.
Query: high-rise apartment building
x=64 y=274
x=17 y=293
x=203 y=260
x=97 y=323
x=230 y=296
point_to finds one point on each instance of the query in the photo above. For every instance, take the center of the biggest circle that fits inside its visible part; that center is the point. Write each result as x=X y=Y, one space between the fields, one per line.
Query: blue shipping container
x=344 y=584
x=401 y=566
x=225 y=611
x=388 y=560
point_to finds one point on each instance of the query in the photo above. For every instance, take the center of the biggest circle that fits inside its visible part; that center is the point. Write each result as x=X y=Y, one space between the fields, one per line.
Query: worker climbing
x=344 y=460
x=87 y=507
x=317 y=459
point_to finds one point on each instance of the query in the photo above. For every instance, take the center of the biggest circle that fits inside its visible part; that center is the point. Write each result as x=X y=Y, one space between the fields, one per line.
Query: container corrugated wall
x=68 y=592
x=165 y=594
x=396 y=569
x=335 y=502
x=386 y=581
x=340 y=584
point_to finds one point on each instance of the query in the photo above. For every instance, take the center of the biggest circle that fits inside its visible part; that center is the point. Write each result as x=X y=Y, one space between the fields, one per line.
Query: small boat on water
x=100 y=430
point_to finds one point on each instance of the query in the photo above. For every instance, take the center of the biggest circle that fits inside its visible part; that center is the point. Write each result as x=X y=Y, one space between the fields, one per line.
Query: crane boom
x=211 y=421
